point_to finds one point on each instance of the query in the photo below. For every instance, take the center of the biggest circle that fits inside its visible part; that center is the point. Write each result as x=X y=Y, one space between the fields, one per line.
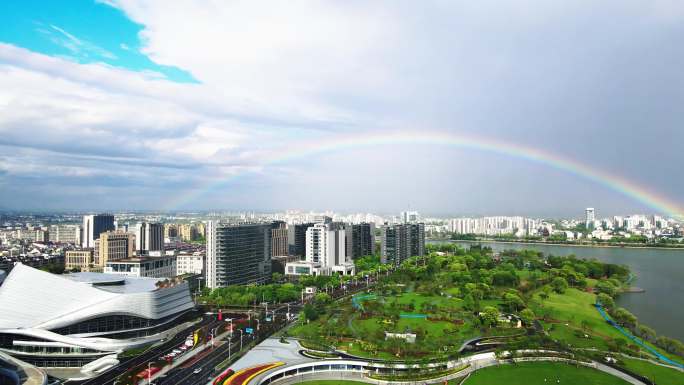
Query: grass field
x=531 y=373
x=659 y=374
x=572 y=308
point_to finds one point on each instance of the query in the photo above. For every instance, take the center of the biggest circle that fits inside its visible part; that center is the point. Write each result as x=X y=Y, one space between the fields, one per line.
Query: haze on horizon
x=133 y=105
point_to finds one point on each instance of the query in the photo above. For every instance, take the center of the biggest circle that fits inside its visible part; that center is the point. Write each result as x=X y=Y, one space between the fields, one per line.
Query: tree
x=559 y=285
x=624 y=317
x=276 y=277
x=490 y=316
x=646 y=332
x=607 y=287
x=513 y=302
x=322 y=298
x=527 y=316
x=605 y=300
x=310 y=313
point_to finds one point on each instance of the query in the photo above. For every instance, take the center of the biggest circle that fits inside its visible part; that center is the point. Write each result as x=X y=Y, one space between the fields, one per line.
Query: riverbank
x=659 y=272
x=644 y=247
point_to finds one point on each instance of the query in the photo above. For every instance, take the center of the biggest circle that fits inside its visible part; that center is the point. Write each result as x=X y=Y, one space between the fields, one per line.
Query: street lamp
x=149 y=373
x=241 y=333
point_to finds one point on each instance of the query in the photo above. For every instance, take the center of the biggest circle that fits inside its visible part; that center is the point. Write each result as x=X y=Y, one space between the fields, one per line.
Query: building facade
x=238 y=254
x=279 y=239
x=93 y=226
x=149 y=237
x=153 y=267
x=65 y=234
x=190 y=263
x=81 y=260
x=84 y=320
x=363 y=240
x=400 y=242
x=297 y=239
x=328 y=249
x=114 y=245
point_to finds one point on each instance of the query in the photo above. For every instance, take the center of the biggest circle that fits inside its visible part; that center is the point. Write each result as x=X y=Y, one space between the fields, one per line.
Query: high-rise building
x=170 y=230
x=363 y=240
x=238 y=254
x=149 y=237
x=328 y=246
x=114 y=245
x=297 y=238
x=409 y=216
x=590 y=217
x=400 y=242
x=279 y=239
x=93 y=226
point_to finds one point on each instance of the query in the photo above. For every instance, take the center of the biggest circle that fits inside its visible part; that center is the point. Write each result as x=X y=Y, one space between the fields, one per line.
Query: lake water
x=659 y=271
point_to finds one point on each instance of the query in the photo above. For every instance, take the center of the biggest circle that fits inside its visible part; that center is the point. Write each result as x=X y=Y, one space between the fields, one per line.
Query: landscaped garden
x=529 y=373
x=428 y=307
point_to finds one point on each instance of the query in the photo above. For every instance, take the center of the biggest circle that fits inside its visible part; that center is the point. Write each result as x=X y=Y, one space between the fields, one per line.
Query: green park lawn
x=573 y=307
x=659 y=374
x=532 y=373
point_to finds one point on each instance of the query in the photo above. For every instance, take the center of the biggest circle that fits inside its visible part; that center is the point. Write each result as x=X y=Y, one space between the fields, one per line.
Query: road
x=208 y=361
x=110 y=375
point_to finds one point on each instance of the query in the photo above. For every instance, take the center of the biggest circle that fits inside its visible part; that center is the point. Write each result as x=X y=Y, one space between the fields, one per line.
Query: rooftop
x=114 y=283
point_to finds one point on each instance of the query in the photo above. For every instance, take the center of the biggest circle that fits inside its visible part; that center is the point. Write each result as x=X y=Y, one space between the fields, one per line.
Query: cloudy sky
x=242 y=105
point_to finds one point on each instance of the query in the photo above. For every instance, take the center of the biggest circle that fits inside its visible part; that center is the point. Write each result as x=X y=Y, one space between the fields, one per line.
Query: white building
x=84 y=320
x=65 y=234
x=409 y=217
x=497 y=225
x=152 y=267
x=190 y=263
x=590 y=217
x=328 y=250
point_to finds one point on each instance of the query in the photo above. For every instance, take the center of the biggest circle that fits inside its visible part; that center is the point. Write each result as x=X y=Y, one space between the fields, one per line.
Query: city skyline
x=367 y=107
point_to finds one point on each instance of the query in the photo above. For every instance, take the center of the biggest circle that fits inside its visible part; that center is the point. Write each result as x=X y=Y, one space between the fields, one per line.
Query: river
x=659 y=271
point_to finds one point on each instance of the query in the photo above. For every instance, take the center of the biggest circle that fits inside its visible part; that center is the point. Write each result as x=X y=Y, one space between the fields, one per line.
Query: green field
x=659 y=374
x=573 y=307
x=531 y=373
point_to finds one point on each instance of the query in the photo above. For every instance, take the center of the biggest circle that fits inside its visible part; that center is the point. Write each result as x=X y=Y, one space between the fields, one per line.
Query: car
x=197 y=371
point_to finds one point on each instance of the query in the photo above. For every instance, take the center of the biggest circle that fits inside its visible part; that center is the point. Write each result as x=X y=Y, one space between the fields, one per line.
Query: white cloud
x=272 y=75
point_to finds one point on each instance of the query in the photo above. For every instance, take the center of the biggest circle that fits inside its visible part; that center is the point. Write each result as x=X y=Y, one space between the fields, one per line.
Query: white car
x=197 y=371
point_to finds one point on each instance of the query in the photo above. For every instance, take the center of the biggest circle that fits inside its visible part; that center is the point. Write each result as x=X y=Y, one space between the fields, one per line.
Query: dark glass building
x=297 y=239
x=363 y=240
x=400 y=242
x=238 y=254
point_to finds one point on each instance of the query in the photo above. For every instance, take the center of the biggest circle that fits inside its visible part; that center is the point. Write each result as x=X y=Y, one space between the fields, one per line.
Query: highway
x=207 y=362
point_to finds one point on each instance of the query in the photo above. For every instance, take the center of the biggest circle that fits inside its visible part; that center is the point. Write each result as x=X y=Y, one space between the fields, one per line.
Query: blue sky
x=143 y=104
x=82 y=31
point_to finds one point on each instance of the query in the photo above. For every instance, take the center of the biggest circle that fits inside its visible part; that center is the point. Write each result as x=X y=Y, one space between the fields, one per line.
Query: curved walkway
x=634 y=338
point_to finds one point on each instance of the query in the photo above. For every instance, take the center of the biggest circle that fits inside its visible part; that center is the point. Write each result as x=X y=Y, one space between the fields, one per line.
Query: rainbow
x=328 y=144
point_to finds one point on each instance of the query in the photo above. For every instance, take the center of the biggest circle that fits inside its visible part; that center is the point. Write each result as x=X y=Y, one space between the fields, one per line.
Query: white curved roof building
x=71 y=320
